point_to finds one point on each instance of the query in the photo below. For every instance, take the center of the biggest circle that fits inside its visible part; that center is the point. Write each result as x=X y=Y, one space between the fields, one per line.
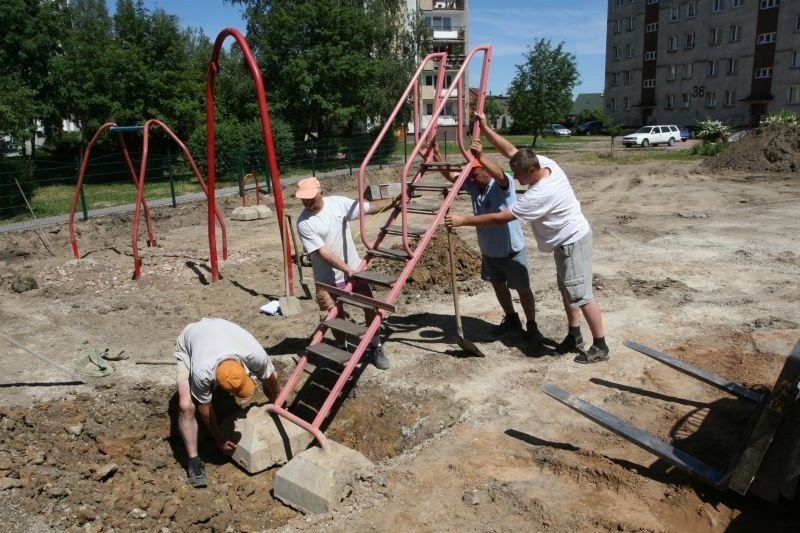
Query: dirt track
x=702 y=265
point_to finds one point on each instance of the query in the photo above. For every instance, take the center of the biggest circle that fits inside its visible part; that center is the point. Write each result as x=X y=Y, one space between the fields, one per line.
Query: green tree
x=541 y=91
x=331 y=67
x=18 y=111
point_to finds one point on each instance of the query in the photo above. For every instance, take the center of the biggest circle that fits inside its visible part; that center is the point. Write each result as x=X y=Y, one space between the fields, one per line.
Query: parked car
x=592 y=127
x=684 y=133
x=556 y=130
x=647 y=135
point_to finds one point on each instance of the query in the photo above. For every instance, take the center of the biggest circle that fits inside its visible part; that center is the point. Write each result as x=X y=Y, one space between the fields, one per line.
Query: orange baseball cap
x=232 y=377
x=476 y=164
x=308 y=188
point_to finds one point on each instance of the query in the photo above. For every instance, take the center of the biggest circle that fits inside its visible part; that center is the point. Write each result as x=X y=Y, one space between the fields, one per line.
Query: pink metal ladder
x=412 y=186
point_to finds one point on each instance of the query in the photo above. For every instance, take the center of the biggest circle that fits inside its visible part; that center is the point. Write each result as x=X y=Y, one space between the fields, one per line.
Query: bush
x=712 y=131
x=784 y=116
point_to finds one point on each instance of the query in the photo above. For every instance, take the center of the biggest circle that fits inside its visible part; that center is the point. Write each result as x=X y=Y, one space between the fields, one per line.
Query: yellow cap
x=231 y=376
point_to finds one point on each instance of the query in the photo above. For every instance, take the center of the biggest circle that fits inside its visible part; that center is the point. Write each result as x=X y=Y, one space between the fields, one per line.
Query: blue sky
x=510 y=26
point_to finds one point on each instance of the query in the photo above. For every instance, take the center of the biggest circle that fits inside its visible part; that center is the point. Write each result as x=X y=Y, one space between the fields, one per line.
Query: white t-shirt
x=203 y=345
x=330 y=227
x=552 y=209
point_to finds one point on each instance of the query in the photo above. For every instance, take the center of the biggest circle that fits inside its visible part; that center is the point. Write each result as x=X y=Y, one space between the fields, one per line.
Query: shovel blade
x=468 y=346
x=290 y=305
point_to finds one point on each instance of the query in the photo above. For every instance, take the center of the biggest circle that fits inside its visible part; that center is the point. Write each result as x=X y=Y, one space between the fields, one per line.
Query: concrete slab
x=263 y=211
x=315 y=480
x=267 y=440
x=244 y=213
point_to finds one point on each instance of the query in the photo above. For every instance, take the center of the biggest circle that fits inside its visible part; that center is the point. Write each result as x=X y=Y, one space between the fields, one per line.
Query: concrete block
x=315 y=480
x=384 y=190
x=267 y=440
x=244 y=213
x=263 y=211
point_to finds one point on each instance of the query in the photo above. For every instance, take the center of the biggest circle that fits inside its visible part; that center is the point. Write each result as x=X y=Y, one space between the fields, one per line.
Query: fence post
x=240 y=171
x=350 y=154
x=171 y=178
x=445 y=143
x=405 y=146
x=314 y=159
x=83 y=197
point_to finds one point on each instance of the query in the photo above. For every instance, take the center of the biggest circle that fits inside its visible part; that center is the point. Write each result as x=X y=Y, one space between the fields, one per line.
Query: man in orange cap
x=504 y=260
x=215 y=352
x=324 y=230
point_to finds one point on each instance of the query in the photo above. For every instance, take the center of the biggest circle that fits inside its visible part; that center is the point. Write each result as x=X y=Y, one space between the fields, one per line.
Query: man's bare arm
x=498 y=141
x=489 y=219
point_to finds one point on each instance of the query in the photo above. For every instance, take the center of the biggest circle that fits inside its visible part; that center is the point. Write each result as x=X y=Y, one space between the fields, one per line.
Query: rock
x=86 y=514
x=104 y=472
x=475 y=497
x=75 y=428
x=7 y=483
x=56 y=492
x=113 y=447
x=138 y=514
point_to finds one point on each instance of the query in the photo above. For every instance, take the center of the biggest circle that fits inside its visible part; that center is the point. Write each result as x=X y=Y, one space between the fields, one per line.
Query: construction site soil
x=698 y=261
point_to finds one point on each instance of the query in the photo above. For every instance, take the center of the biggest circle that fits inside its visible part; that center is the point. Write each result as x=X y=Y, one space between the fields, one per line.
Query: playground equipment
x=308 y=480
x=138 y=180
x=768 y=461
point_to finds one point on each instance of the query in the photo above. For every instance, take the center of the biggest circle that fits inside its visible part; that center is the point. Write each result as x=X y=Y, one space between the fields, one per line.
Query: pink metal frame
x=430 y=132
x=269 y=148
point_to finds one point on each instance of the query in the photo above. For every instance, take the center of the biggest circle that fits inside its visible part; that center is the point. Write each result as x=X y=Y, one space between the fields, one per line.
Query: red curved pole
x=269 y=148
x=82 y=174
x=150 y=239
x=140 y=192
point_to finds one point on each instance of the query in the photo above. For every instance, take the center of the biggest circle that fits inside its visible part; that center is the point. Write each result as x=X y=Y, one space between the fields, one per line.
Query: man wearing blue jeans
x=555 y=216
x=504 y=260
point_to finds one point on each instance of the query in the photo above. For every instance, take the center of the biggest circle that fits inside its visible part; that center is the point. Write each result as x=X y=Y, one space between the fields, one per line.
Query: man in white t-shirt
x=324 y=229
x=215 y=353
x=555 y=216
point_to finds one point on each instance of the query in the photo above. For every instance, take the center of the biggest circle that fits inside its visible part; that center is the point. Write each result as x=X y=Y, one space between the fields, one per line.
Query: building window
x=730 y=98
x=762 y=73
x=626 y=102
x=717 y=6
x=651 y=27
x=732 y=68
x=613 y=104
x=796 y=59
x=615 y=79
x=689 y=40
x=670 y=101
x=649 y=84
x=712 y=69
x=652 y=1
x=617 y=53
x=738 y=3
x=793 y=94
x=691 y=10
x=650 y=56
x=672 y=43
x=671 y=72
x=617 y=26
x=711 y=99
x=430 y=80
x=735 y=33
x=714 y=36
x=766 y=38
x=629 y=50
x=766 y=4
x=687 y=71
x=619 y=3
x=631 y=20
x=626 y=76
x=429 y=109
x=675 y=14
x=686 y=100
x=797 y=23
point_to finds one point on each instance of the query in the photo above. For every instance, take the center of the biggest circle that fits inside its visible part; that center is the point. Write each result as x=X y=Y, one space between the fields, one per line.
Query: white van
x=647 y=135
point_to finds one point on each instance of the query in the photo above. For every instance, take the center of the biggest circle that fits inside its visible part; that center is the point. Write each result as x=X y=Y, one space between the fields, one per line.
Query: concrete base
x=244 y=213
x=314 y=481
x=267 y=440
x=384 y=190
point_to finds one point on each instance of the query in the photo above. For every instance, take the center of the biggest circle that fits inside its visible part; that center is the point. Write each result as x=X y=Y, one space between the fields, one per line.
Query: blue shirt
x=496 y=241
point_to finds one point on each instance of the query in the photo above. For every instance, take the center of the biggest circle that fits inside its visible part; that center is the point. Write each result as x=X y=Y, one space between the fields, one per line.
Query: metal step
x=431 y=186
x=425 y=208
x=443 y=165
x=331 y=353
x=345 y=326
x=376 y=278
x=397 y=255
x=411 y=231
x=356 y=299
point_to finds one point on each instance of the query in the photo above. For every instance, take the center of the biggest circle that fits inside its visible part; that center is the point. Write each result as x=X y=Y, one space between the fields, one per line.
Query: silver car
x=556 y=130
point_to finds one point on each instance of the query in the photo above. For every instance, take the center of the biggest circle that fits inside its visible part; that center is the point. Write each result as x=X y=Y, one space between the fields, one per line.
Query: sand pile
x=765 y=149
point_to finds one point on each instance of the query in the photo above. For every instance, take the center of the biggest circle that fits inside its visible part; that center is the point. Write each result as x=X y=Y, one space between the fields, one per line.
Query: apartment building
x=681 y=61
x=448 y=20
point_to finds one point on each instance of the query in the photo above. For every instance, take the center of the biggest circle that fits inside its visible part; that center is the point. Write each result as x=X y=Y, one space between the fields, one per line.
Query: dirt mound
x=766 y=149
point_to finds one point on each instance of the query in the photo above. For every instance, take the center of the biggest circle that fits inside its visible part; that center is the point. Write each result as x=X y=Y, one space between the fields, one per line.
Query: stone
x=316 y=480
x=7 y=483
x=244 y=213
x=267 y=440
x=384 y=190
x=263 y=211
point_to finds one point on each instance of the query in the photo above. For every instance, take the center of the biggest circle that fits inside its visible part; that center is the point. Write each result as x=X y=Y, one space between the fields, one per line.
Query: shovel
x=297 y=255
x=466 y=345
x=290 y=305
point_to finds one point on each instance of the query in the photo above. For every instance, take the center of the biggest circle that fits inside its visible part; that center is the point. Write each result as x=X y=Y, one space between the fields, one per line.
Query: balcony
x=457 y=5
x=450 y=33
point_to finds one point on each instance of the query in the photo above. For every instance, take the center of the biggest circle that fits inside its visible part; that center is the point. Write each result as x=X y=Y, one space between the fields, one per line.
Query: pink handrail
x=82 y=174
x=269 y=148
x=140 y=190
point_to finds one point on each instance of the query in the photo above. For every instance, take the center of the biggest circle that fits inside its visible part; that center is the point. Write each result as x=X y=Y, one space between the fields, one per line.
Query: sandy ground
x=702 y=265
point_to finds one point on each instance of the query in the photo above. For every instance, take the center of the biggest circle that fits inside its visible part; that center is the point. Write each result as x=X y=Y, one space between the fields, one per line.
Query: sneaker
x=379 y=359
x=510 y=323
x=196 y=473
x=593 y=355
x=570 y=344
x=532 y=331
